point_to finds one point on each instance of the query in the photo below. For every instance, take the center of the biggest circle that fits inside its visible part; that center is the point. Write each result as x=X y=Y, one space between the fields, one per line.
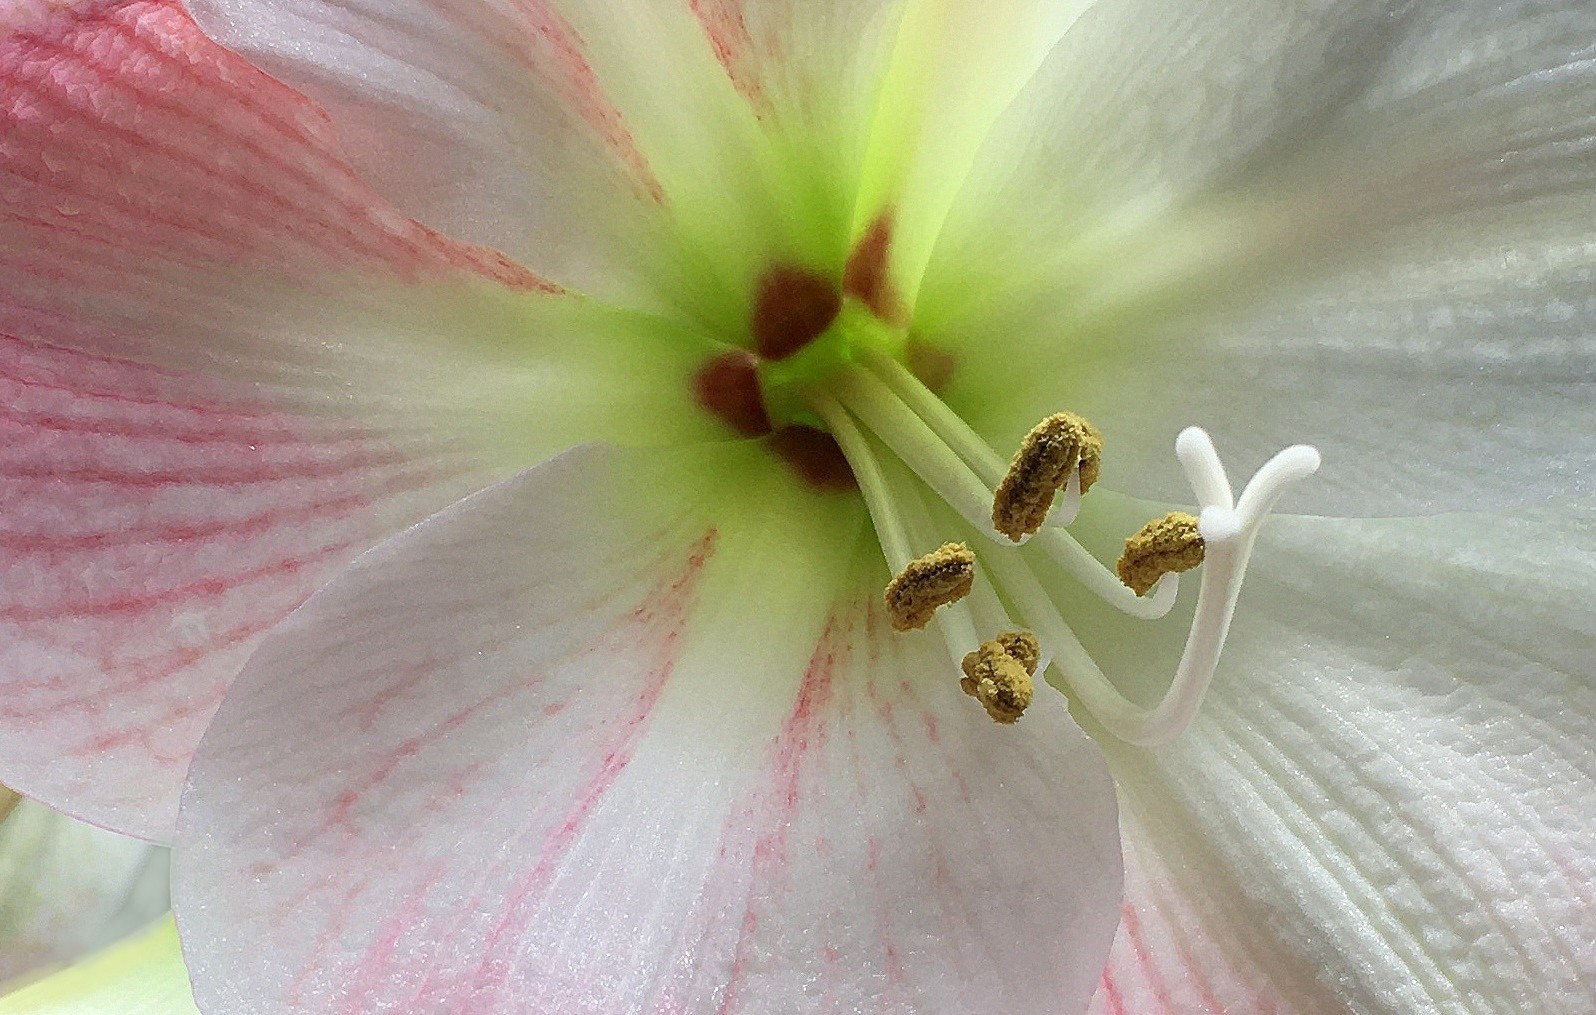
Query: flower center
x=839 y=390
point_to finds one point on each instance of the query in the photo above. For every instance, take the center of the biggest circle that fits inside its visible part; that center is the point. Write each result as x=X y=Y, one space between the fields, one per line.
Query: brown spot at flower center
x=815 y=456
x=728 y=388
x=794 y=306
x=865 y=277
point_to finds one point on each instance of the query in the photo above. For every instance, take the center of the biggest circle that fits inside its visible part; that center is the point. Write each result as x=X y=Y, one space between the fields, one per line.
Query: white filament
x=866 y=468
x=919 y=447
x=955 y=462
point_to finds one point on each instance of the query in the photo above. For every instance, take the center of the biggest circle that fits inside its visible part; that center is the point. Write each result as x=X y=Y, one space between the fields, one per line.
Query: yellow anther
x=1023 y=646
x=999 y=674
x=1042 y=467
x=943 y=576
x=1164 y=545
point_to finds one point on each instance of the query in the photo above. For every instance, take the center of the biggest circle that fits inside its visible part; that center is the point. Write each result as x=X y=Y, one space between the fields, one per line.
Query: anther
x=1164 y=545
x=943 y=576
x=1052 y=450
x=1000 y=674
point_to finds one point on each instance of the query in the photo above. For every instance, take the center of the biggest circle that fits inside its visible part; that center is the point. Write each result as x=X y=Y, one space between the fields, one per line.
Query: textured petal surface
x=485 y=120
x=650 y=153
x=1299 y=221
x=604 y=738
x=1384 y=805
x=143 y=975
x=66 y=888
x=165 y=202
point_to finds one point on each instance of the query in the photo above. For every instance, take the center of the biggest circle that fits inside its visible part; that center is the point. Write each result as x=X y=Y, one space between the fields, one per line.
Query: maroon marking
x=933 y=366
x=728 y=386
x=794 y=307
x=866 y=277
x=815 y=456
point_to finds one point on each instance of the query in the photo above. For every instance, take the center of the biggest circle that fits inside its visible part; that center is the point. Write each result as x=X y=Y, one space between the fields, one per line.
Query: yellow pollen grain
x=1023 y=646
x=943 y=576
x=1041 y=468
x=1164 y=545
x=1001 y=680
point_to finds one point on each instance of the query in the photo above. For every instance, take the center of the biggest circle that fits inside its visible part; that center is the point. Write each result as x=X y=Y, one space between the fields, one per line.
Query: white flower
x=628 y=731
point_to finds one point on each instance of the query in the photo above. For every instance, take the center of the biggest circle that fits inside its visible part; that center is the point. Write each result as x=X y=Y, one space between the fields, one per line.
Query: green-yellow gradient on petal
x=66 y=888
x=954 y=69
x=143 y=975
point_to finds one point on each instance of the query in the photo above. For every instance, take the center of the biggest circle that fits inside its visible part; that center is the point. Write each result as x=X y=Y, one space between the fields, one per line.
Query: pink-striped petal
x=155 y=525
x=628 y=150
x=486 y=121
x=166 y=203
x=616 y=735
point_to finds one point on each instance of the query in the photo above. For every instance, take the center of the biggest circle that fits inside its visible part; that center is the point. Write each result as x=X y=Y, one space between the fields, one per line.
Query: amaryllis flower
x=776 y=294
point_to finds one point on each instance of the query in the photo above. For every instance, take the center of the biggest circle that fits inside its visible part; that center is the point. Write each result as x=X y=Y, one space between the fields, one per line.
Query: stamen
x=1227 y=534
x=1171 y=544
x=1047 y=458
x=867 y=471
x=943 y=576
x=917 y=446
x=988 y=467
x=1024 y=647
x=1000 y=674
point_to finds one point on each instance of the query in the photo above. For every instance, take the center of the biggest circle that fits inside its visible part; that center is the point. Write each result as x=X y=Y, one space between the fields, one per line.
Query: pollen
x=1164 y=545
x=1052 y=450
x=1000 y=675
x=943 y=576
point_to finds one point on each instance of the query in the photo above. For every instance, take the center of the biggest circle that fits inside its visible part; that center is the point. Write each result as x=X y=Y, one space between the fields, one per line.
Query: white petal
x=1296 y=222
x=954 y=68
x=653 y=153
x=1384 y=805
x=604 y=738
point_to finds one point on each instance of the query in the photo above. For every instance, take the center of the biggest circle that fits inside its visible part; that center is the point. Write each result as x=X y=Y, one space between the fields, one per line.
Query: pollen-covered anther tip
x=1000 y=674
x=943 y=576
x=1052 y=450
x=1166 y=545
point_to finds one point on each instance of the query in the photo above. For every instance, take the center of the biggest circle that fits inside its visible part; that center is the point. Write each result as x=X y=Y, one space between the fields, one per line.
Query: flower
x=621 y=732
